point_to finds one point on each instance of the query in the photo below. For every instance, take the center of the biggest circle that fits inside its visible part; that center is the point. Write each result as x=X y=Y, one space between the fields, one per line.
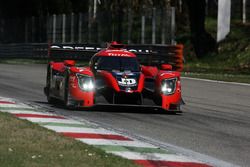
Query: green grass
x=24 y=144
x=230 y=63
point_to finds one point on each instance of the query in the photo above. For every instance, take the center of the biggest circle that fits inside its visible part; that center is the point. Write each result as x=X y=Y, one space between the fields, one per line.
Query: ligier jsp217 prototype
x=115 y=76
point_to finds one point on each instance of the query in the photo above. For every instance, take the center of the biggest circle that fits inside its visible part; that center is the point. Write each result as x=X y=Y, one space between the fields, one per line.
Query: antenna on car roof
x=115 y=45
x=113 y=31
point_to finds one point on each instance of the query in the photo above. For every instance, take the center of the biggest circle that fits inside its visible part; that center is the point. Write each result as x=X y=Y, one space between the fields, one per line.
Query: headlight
x=168 y=86
x=85 y=82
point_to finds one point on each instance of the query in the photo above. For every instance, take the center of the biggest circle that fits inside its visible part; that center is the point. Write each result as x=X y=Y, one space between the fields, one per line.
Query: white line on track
x=16 y=106
x=52 y=120
x=7 y=99
x=26 y=112
x=154 y=156
x=116 y=143
x=80 y=130
x=215 y=81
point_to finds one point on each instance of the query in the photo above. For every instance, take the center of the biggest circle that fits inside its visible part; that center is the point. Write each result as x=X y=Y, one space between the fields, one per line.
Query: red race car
x=114 y=76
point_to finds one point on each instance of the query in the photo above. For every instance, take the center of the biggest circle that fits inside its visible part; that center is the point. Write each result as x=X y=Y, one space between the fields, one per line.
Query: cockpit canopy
x=117 y=63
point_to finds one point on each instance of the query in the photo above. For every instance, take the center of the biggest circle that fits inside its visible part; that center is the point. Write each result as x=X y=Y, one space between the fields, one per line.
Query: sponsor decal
x=119 y=54
x=75 y=47
x=127 y=82
x=81 y=48
x=72 y=81
x=139 y=51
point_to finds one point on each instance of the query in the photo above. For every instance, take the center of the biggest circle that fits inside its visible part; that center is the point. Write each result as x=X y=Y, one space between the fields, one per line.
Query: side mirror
x=69 y=63
x=166 y=67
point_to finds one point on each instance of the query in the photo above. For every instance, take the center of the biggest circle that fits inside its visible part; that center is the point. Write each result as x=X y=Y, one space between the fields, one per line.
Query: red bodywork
x=82 y=86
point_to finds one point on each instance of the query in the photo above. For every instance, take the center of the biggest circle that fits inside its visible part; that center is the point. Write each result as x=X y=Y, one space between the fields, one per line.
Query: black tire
x=140 y=99
x=50 y=99
x=66 y=101
x=66 y=89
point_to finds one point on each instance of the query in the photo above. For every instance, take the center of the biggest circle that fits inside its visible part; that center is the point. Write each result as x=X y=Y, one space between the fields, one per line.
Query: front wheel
x=51 y=100
x=67 y=101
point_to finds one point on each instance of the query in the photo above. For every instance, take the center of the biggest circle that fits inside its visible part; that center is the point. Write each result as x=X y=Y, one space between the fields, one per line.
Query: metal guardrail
x=24 y=51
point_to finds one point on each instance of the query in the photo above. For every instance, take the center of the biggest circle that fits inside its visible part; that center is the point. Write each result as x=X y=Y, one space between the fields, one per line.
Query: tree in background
x=17 y=8
x=203 y=42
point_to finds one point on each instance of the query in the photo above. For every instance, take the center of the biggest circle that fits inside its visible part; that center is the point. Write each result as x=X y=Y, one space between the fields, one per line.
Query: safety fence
x=152 y=26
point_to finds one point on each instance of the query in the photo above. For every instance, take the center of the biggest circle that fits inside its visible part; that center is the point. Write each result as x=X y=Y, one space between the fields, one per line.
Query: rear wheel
x=50 y=99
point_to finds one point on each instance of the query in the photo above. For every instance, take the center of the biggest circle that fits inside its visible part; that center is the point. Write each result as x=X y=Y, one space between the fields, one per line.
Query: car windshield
x=117 y=63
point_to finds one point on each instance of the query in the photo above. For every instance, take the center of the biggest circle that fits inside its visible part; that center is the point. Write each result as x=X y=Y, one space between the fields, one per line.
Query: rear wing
x=153 y=55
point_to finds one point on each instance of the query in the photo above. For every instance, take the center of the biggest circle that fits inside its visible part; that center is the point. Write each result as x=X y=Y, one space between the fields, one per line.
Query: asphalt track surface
x=215 y=120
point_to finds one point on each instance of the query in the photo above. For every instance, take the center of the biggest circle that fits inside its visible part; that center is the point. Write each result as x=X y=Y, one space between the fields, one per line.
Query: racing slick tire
x=67 y=102
x=50 y=99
